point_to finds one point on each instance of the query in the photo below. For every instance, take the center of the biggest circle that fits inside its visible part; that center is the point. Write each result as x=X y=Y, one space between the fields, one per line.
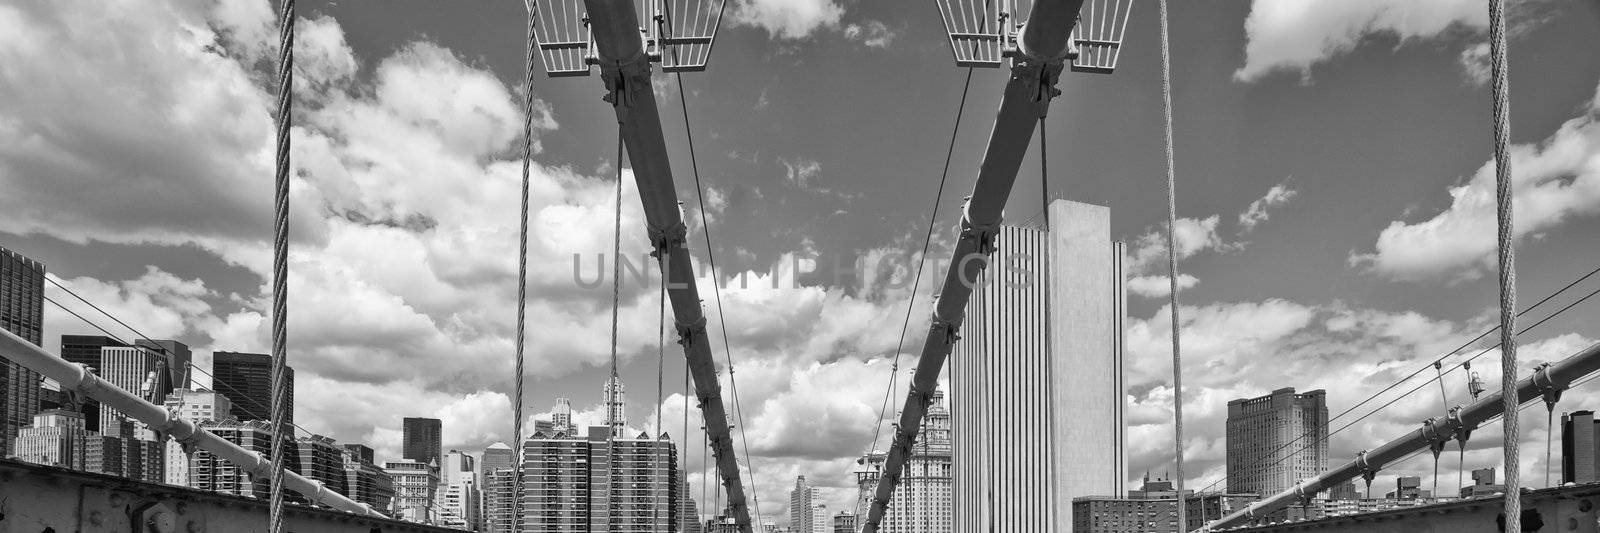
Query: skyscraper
x=195 y=406
x=421 y=441
x=366 y=482
x=616 y=397
x=562 y=416
x=56 y=438
x=459 y=499
x=85 y=350
x=246 y=378
x=495 y=474
x=21 y=313
x=1580 y=438
x=215 y=474
x=801 y=498
x=922 y=501
x=1038 y=406
x=1261 y=458
x=138 y=371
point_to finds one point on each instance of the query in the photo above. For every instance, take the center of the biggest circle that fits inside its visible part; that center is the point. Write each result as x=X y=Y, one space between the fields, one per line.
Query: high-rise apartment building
x=1261 y=459
x=498 y=489
x=211 y=473
x=922 y=501
x=322 y=460
x=821 y=521
x=246 y=378
x=599 y=483
x=56 y=438
x=421 y=441
x=195 y=406
x=1038 y=405
x=801 y=499
x=1580 y=440
x=460 y=502
x=616 y=399
x=22 y=314
x=366 y=482
x=415 y=486
x=85 y=350
x=844 y=522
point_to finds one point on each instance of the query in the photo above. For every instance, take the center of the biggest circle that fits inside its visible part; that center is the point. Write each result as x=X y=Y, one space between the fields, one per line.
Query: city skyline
x=1331 y=168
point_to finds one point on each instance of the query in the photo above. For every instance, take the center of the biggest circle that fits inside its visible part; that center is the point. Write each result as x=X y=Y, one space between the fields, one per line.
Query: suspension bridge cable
x=1049 y=346
x=661 y=373
x=280 y=265
x=1413 y=390
x=1172 y=261
x=522 y=271
x=1507 y=259
x=716 y=285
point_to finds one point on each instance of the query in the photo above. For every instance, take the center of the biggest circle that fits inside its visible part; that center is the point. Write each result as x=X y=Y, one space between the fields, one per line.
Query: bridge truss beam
x=625 y=69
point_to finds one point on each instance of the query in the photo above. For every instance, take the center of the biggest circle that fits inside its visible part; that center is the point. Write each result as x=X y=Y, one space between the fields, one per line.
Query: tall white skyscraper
x=616 y=397
x=1038 y=406
x=801 y=498
x=137 y=370
x=562 y=417
x=195 y=406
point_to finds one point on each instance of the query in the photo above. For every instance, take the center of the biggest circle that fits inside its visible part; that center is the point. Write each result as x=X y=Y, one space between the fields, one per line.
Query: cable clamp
x=1547 y=386
x=688 y=330
x=663 y=238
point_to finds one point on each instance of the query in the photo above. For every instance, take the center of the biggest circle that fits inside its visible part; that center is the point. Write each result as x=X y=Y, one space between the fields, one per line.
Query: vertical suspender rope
x=280 y=268
x=661 y=373
x=1049 y=347
x=615 y=382
x=522 y=279
x=1172 y=270
x=1507 y=261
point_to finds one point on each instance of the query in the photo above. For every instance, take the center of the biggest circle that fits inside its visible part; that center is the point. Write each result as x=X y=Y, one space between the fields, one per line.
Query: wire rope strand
x=1506 y=261
x=522 y=272
x=1172 y=263
x=280 y=268
x=615 y=382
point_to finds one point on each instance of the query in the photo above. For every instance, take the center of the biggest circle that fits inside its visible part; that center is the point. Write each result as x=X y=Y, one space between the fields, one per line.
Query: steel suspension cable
x=614 y=383
x=1507 y=260
x=280 y=266
x=522 y=273
x=1049 y=345
x=661 y=373
x=1172 y=263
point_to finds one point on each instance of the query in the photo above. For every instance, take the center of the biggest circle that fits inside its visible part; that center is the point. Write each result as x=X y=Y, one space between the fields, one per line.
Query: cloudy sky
x=1332 y=170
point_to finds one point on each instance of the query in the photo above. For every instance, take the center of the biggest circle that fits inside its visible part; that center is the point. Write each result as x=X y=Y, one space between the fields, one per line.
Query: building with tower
x=922 y=501
x=22 y=314
x=1038 y=405
x=801 y=499
x=246 y=378
x=1259 y=432
x=616 y=400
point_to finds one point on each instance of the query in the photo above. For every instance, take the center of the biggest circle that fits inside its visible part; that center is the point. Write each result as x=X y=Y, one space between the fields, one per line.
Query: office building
x=1580 y=435
x=85 y=350
x=1153 y=509
x=459 y=506
x=195 y=406
x=821 y=521
x=498 y=489
x=497 y=456
x=599 y=483
x=801 y=498
x=1482 y=484
x=561 y=417
x=844 y=522
x=1038 y=407
x=1408 y=488
x=175 y=357
x=364 y=481
x=688 y=510
x=421 y=441
x=615 y=395
x=211 y=473
x=458 y=467
x=136 y=370
x=1276 y=441
x=22 y=314
x=247 y=380
x=415 y=486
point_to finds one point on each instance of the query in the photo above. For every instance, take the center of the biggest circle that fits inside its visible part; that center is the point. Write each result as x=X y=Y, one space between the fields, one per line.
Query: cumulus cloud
x=788 y=19
x=1554 y=181
x=1193 y=235
x=872 y=33
x=1159 y=286
x=1294 y=35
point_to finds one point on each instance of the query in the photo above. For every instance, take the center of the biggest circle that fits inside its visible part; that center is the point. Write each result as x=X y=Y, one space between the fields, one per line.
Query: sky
x=1334 y=183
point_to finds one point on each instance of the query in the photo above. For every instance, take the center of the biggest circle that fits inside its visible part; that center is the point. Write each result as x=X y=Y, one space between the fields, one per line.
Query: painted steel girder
x=1026 y=98
x=625 y=69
